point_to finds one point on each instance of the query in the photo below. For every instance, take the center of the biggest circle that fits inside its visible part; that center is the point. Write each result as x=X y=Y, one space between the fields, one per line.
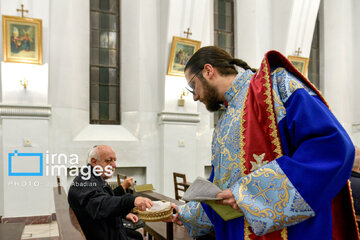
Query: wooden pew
x=162 y=230
x=69 y=227
x=11 y=231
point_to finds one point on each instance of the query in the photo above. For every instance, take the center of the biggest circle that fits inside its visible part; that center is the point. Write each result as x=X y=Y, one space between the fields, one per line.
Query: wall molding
x=178 y=118
x=24 y=111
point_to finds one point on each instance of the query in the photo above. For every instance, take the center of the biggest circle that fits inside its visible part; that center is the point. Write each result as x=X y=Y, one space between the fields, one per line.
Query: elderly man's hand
x=228 y=198
x=142 y=203
x=127 y=182
x=132 y=217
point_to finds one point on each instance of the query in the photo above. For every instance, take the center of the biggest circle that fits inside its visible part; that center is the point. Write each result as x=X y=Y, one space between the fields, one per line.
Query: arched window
x=104 y=62
x=314 y=62
x=223 y=33
x=224 y=25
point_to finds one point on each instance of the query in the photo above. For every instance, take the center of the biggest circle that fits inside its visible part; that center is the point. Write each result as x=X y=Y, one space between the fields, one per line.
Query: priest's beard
x=211 y=97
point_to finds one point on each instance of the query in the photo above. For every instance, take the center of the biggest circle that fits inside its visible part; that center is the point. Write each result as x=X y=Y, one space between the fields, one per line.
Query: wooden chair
x=69 y=227
x=181 y=185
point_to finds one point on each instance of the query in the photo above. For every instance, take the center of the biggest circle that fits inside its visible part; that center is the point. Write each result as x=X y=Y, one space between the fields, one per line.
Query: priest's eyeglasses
x=191 y=85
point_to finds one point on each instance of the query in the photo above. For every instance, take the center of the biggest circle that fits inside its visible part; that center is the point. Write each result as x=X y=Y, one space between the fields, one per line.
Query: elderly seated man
x=98 y=208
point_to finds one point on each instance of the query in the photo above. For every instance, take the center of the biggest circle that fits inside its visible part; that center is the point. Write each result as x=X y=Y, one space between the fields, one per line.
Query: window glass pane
x=229 y=40
x=216 y=21
x=94 y=56
x=221 y=6
x=94 y=20
x=95 y=111
x=114 y=6
x=112 y=112
x=104 y=22
x=113 y=22
x=112 y=76
x=112 y=58
x=112 y=94
x=104 y=5
x=104 y=75
x=221 y=40
x=104 y=40
x=104 y=111
x=222 y=22
x=94 y=38
x=104 y=93
x=94 y=4
x=104 y=56
x=94 y=92
x=112 y=40
x=228 y=24
x=94 y=75
x=228 y=9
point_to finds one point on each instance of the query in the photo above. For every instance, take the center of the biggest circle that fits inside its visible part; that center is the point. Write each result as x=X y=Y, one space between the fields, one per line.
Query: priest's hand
x=228 y=198
x=175 y=217
x=142 y=203
x=132 y=217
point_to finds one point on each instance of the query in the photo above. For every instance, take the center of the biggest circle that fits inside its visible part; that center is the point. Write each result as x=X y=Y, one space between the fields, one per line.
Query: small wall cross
x=22 y=10
x=298 y=52
x=187 y=32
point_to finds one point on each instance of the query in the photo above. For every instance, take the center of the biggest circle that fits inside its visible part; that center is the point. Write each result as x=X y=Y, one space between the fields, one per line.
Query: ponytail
x=242 y=64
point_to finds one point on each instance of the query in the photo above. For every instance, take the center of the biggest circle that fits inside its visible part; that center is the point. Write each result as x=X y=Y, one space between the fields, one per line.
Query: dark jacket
x=98 y=209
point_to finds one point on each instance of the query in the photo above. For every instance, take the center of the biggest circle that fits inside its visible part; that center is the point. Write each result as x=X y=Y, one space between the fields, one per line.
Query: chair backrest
x=179 y=185
x=119 y=177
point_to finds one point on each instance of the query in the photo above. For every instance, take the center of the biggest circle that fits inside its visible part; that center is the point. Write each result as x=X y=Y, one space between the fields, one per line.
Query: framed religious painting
x=181 y=51
x=22 y=39
x=300 y=63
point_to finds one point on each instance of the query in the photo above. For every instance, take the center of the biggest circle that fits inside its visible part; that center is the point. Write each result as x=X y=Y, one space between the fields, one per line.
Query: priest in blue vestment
x=278 y=153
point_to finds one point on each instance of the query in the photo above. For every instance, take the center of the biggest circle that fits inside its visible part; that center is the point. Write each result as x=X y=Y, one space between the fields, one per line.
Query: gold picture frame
x=22 y=39
x=300 y=63
x=181 y=51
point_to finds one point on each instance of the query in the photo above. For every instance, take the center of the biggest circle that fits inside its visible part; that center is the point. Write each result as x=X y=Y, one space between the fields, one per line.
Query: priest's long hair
x=218 y=58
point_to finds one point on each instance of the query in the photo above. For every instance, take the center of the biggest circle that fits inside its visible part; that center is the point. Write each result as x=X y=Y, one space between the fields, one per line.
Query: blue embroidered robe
x=317 y=161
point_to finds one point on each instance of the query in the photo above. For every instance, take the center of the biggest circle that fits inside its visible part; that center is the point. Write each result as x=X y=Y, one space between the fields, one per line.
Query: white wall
x=15 y=128
x=282 y=25
x=25 y=195
x=338 y=59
